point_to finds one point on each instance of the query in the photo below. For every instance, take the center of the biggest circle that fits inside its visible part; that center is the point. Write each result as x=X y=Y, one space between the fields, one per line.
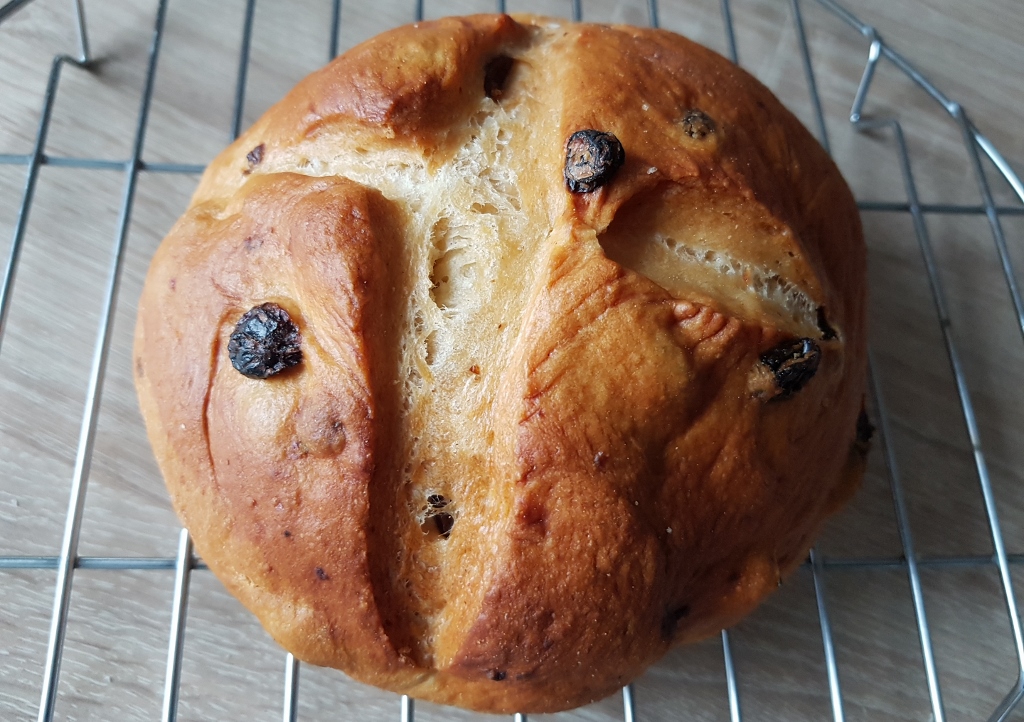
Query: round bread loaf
x=504 y=354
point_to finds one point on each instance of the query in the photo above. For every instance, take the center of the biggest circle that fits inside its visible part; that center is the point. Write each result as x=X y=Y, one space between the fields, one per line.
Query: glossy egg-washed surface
x=536 y=436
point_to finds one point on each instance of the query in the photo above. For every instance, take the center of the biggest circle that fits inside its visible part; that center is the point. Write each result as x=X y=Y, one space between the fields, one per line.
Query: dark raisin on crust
x=793 y=364
x=862 y=437
x=265 y=342
x=865 y=430
x=697 y=124
x=321 y=574
x=495 y=74
x=827 y=332
x=591 y=159
x=496 y=675
x=671 y=620
x=254 y=157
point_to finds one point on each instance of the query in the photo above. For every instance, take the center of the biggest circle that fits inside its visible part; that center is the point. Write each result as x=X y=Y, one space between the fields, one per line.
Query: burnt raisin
x=444 y=523
x=287 y=534
x=255 y=156
x=697 y=124
x=321 y=574
x=865 y=430
x=495 y=75
x=591 y=159
x=793 y=363
x=827 y=332
x=437 y=501
x=265 y=342
x=496 y=675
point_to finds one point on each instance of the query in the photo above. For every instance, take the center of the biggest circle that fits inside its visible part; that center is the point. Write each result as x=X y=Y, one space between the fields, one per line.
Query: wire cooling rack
x=943 y=580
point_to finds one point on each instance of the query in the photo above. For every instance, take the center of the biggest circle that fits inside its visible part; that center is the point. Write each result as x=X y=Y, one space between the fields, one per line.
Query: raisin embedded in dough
x=265 y=342
x=827 y=332
x=254 y=157
x=793 y=363
x=865 y=429
x=495 y=76
x=591 y=159
x=697 y=124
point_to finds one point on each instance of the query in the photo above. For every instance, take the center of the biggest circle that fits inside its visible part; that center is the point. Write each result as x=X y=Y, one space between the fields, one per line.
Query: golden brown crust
x=621 y=473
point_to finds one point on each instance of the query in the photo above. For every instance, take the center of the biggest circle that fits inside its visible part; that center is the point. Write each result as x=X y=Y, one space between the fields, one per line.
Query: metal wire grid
x=975 y=144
